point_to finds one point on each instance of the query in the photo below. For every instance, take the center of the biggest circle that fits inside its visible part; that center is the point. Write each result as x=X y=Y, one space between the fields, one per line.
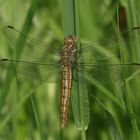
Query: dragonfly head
x=70 y=40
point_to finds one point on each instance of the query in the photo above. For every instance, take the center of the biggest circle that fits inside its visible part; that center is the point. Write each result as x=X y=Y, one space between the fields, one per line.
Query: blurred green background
x=30 y=111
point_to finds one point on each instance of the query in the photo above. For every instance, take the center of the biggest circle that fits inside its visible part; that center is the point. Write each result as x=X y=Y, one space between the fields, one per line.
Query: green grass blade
x=68 y=19
x=80 y=104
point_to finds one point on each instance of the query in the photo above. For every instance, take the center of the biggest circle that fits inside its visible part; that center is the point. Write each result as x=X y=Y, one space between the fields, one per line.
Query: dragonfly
x=44 y=63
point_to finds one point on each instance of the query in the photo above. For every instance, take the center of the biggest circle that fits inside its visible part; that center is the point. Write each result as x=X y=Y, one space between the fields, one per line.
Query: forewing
x=109 y=49
x=32 y=49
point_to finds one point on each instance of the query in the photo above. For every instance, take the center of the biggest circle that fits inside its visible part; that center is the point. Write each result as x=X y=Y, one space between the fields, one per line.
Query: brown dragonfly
x=102 y=60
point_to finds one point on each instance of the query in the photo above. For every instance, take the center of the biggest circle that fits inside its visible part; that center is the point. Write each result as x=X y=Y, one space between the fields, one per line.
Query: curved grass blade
x=114 y=132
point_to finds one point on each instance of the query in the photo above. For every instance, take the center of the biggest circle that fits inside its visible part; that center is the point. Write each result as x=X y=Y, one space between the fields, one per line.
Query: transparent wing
x=111 y=72
x=31 y=48
x=101 y=60
x=111 y=48
x=90 y=53
x=42 y=72
x=37 y=60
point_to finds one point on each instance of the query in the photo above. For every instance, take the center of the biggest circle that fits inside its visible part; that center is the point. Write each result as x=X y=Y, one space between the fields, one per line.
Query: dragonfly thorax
x=68 y=51
x=67 y=57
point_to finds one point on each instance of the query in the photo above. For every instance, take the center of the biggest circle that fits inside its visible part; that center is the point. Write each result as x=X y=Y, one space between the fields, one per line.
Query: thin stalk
x=131 y=112
x=133 y=21
x=36 y=118
x=14 y=103
x=83 y=134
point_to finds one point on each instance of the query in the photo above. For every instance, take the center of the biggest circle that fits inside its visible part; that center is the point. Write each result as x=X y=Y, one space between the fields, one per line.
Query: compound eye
x=69 y=40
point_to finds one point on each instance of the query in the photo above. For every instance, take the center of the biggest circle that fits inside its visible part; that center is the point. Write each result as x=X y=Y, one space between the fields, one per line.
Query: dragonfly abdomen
x=65 y=94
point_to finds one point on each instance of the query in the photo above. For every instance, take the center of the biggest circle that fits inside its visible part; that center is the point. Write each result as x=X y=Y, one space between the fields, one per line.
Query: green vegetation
x=100 y=109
